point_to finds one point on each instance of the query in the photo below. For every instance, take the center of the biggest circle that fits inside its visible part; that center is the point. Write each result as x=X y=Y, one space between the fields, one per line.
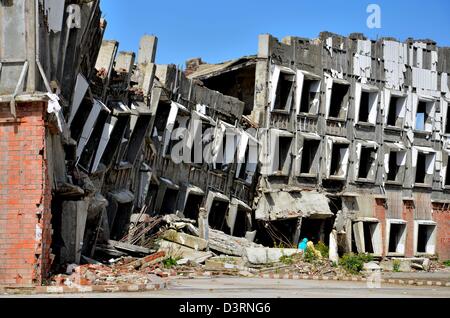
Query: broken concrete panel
x=281 y=205
x=267 y=255
x=106 y=56
x=225 y=263
x=81 y=87
x=179 y=251
x=371 y=267
x=193 y=242
x=147 y=49
x=403 y=265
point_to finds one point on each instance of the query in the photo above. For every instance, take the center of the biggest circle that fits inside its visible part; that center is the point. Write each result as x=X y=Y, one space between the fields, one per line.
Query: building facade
x=360 y=122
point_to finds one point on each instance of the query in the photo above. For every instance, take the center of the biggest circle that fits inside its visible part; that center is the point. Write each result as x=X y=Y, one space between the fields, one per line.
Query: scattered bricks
x=146 y=261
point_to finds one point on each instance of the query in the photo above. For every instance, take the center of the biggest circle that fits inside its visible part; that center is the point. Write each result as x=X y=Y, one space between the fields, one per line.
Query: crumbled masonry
x=114 y=169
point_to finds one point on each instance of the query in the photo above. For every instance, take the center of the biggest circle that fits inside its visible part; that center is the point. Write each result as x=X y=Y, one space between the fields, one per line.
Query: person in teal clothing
x=303 y=244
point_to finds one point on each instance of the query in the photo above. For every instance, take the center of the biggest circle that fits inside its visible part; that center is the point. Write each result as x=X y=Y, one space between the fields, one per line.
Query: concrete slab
x=227 y=263
x=268 y=255
x=196 y=243
x=185 y=253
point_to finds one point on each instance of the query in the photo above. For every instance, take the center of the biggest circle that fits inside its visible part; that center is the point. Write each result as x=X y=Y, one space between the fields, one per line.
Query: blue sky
x=222 y=30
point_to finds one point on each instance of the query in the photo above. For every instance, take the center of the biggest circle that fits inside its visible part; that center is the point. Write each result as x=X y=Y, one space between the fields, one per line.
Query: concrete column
x=74 y=215
x=147 y=49
x=203 y=225
x=298 y=228
x=333 y=247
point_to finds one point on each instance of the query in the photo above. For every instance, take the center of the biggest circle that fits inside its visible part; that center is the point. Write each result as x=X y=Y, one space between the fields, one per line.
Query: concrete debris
x=183 y=254
x=123 y=271
x=371 y=267
x=417 y=266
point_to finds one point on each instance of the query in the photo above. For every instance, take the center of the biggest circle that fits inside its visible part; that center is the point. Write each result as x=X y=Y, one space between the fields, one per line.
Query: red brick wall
x=25 y=196
x=408 y=216
x=441 y=215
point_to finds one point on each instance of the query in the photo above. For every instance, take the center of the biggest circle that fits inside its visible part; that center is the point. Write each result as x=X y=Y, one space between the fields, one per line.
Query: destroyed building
x=340 y=140
x=86 y=140
x=354 y=140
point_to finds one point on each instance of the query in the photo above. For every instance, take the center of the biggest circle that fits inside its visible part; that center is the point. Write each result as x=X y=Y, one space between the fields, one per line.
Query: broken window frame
x=430 y=164
x=343 y=112
x=430 y=112
x=314 y=105
x=79 y=93
x=220 y=197
x=122 y=113
x=445 y=171
x=225 y=145
x=236 y=208
x=247 y=144
x=397 y=148
x=330 y=141
x=373 y=92
x=314 y=171
x=400 y=107
x=430 y=248
x=445 y=105
x=277 y=72
x=166 y=184
x=187 y=191
x=376 y=235
x=92 y=121
x=138 y=131
x=372 y=173
x=117 y=110
x=401 y=241
x=272 y=145
x=178 y=113
x=194 y=130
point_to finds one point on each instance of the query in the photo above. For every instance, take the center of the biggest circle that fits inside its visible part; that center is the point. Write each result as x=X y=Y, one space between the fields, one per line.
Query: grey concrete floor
x=275 y=288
